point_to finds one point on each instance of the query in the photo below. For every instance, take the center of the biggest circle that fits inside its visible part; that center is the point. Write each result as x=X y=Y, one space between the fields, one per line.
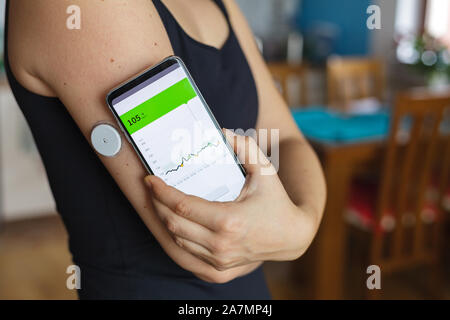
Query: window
x=437 y=20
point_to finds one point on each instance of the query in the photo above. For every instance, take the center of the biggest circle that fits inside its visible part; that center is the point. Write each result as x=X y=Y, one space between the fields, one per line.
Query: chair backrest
x=283 y=73
x=354 y=78
x=417 y=158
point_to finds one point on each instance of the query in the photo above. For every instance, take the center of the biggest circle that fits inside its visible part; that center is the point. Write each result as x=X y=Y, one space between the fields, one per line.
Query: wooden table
x=340 y=162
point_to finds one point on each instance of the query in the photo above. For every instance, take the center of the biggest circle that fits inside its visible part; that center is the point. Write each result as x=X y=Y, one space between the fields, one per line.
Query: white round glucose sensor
x=106 y=140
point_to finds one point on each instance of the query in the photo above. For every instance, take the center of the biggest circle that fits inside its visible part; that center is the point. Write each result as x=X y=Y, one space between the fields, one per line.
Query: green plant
x=433 y=57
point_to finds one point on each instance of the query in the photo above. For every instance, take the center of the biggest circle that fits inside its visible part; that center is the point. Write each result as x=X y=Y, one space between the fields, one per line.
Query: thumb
x=249 y=154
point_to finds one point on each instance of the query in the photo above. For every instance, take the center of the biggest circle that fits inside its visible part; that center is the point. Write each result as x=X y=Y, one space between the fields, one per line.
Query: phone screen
x=175 y=134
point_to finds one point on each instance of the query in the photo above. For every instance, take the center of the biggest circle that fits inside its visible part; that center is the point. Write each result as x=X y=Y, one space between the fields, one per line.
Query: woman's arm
x=117 y=39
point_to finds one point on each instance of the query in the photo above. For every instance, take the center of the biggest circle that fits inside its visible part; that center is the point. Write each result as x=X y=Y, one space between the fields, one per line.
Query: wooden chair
x=354 y=78
x=283 y=73
x=406 y=225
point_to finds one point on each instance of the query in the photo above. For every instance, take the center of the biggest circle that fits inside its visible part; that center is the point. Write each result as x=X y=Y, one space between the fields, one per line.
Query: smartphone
x=170 y=126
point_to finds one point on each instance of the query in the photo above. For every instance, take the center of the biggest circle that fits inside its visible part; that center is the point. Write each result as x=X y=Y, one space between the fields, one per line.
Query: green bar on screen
x=157 y=106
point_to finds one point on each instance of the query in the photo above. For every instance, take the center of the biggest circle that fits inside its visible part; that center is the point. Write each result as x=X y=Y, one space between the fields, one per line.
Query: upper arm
x=117 y=39
x=273 y=110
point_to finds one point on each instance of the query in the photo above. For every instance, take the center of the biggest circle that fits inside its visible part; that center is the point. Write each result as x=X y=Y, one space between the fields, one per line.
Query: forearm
x=302 y=177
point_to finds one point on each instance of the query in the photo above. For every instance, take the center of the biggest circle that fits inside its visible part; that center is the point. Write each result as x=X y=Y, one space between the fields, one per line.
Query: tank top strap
x=175 y=32
x=165 y=13
x=162 y=11
x=221 y=5
x=170 y=24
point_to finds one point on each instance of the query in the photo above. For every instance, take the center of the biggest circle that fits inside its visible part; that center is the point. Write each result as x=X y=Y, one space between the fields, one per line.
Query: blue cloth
x=322 y=124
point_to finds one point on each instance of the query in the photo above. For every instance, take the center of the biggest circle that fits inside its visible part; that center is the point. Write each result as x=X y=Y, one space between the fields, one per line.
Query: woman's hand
x=262 y=224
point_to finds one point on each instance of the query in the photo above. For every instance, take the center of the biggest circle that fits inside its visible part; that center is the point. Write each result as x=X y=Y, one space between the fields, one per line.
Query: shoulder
x=115 y=39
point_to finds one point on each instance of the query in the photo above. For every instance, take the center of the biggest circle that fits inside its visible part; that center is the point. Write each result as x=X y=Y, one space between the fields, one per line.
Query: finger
x=247 y=151
x=202 y=253
x=207 y=213
x=183 y=228
x=194 y=248
x=219 y=262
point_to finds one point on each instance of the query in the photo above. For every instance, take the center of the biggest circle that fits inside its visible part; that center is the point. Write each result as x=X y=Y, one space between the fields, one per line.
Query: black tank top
x=117 y=254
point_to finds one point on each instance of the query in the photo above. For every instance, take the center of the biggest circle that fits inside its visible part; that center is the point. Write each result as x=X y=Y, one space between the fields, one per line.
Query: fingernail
x=148 y=182
x=229 y=133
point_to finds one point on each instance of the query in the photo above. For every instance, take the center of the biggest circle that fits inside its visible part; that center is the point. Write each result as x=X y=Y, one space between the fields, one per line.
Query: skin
x=276 y=216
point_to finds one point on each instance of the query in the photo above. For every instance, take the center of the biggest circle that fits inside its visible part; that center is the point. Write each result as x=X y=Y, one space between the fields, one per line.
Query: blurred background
x=369 y=89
